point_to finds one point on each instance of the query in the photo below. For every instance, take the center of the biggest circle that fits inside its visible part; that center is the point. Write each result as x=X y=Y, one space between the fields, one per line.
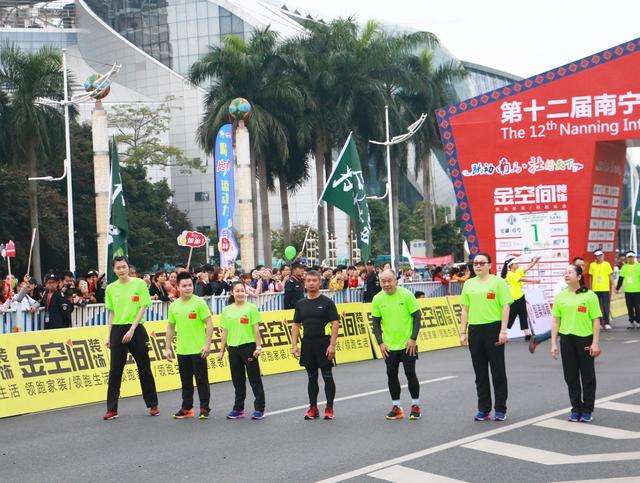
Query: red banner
x=537 y=166
x=437 y=261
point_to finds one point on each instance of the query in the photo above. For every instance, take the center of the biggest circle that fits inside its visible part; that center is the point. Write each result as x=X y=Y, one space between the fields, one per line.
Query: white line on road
x=459 y=442
x=632 y=341
x=589 y=429
x=624 y=479
x=616 y=406
x=355 y=396
x=402 y=474
x=544 y=457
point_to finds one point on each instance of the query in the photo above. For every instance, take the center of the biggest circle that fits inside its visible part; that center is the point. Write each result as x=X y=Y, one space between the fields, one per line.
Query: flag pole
x=33 y=239
x=392 y=241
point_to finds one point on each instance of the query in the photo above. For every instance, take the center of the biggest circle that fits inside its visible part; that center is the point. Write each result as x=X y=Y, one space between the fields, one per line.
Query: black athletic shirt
x=314 y=315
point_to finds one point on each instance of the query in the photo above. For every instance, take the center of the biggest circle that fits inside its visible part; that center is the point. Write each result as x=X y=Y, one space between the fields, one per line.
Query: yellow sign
x=618 y=306
x=353 y=343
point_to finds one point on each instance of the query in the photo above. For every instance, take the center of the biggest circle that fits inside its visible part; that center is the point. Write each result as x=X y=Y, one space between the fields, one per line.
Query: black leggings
x=633 y=305
x=393 y=361
x=519 y=309
x=314 y=388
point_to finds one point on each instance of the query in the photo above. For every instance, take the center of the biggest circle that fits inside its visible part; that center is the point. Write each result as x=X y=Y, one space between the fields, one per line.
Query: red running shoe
x=154 y=411
x=328 y=413
x=109 y=415
x=312 y=413
x=395 y=413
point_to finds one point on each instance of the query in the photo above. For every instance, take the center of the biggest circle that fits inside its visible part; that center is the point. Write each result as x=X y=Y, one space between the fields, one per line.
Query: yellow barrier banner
x=353 y=343
x=275 y=331
x=618 y=306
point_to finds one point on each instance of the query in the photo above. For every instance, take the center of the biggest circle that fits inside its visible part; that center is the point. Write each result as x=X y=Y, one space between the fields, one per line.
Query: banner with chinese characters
x=537 y=166
x=225 y=195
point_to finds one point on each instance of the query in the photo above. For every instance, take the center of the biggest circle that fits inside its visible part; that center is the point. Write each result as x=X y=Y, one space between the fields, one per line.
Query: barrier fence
x=51 y=369
x=96 y=314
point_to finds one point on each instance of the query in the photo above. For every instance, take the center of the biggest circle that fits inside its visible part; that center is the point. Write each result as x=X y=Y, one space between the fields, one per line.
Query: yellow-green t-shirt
x=239 y=322
x=631 y=274
x=189 y=318
x=485 y=300
x=515 y=285
x=600 y=276
x=396 y=313
x=126 y=299
x=576 y=312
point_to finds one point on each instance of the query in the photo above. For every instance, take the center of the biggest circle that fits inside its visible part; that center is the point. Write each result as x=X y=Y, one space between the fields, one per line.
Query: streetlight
x=412 y=129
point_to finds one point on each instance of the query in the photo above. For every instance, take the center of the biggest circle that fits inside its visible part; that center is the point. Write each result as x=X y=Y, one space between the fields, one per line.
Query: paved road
x=534 y=445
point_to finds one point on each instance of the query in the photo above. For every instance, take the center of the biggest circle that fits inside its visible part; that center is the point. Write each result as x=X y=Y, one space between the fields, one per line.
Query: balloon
x=290 y=252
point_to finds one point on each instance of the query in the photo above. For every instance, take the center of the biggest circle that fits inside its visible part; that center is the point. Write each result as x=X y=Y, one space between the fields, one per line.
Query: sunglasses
x=479 y=264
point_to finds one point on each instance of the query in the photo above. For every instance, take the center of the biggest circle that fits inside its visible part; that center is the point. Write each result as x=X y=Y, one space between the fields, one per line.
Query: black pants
x=140 y=352
x=605 y=302
x=243 y=364
x=519 y=309
x=484 y=355
x=578 y=366
x=409 y=364
x=191 y=366
x=313 y=388
x=633 y=306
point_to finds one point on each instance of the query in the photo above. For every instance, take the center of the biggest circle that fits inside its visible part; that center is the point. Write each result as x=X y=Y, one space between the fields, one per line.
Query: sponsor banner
x=224 y=158
x=353 y=343
x=618 y=305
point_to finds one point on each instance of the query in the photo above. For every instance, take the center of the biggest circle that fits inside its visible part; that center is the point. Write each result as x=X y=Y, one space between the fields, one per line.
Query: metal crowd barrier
x=96 y=314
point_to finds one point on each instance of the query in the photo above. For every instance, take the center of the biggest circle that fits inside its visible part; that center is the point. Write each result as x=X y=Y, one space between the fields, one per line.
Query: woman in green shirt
x=576 y=317
x=485 y=311
x=629 y=280
x=240 y=322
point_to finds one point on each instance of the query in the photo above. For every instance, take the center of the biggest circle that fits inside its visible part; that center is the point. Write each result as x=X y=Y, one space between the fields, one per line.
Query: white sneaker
x=608 y=326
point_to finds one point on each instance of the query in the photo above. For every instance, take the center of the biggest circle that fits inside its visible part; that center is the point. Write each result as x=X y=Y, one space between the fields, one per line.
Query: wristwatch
x=259 y=347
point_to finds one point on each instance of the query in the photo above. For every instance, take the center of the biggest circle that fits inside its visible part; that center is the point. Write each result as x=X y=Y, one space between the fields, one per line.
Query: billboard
x=225 y=195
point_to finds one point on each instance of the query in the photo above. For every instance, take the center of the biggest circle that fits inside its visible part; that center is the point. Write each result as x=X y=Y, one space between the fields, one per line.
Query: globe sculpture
x=97 y=86
x=239 y=109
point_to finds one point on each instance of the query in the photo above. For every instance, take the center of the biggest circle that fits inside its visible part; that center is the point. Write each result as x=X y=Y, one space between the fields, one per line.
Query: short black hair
x=68 y=273
x=419 y=294
x=314 y=273
x=119 y=258
x=575 y=259
x=183 y=276
x=295 y=265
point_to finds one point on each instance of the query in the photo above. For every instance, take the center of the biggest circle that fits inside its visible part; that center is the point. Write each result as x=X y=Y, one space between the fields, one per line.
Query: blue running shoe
x=586 y=418
x=235 y=414
x=500 y=416
x=482 y=416
x=257 y=415
x=574 y=417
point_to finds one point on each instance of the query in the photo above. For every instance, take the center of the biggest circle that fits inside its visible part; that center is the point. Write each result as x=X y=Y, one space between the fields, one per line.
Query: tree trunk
x=331 y=218
x=254 y=207
x=33 y=209
x=427 y=207
x=264 y=205
x=322 y=227
x=286 y=222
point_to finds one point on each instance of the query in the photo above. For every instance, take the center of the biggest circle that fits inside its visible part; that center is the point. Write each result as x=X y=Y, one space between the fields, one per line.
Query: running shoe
x=500 y=416
x=608 y=327
x=415 y=412
x=395 y=413
x=482 y=416
x=574 y=417
x=184 y=414
x=109 y=415
x=312 y=413
x=257 y=415
x=533 y=344
x=204 y=413
x=586 y=418
x=154 y=411
x=235 y=414
x=632 y=325
x=328 y=413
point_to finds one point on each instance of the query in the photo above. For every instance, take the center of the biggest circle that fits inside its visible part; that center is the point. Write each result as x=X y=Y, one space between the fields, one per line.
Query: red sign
x=537 y=166
x=225 y=244
x=10 y=249
x=192 y=239
x=446 y=260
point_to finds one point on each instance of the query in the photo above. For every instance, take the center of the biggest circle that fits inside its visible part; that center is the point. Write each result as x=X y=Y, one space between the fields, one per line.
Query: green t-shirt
x=631 y=274
x=396 y=313
x=485 y=300
x=514 y=283
x=189 y=318
x=239 y=322
x=576 y=312
x=126 y=299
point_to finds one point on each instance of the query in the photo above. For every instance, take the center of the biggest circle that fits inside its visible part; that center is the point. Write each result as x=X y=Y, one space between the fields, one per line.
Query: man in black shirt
x=371 y=283
x=293 y=287
x=57 y=306
x=317 y=315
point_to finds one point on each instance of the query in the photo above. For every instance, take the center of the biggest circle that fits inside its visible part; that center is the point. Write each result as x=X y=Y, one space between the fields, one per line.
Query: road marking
x=402 y=474
x=635 y=479
x=616 y=406
x=543 y=457
x=356 y=396
x=632 y=341
x=589 y=429
x=468 y=439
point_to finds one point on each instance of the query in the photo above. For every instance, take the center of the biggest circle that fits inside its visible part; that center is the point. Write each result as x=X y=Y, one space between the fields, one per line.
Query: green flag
x=345 y=190
x=118 y=226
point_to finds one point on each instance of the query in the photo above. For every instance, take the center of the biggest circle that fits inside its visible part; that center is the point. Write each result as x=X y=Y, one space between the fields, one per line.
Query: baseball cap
x=598 y=253
x=92 y=273
x=51 y=276
x=370 y=262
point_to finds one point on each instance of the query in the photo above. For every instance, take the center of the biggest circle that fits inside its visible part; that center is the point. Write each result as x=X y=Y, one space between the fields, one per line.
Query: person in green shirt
x=127 y=299
x=629 y=280
x=190 y=323
x=240 y=323
x=485 y=303
x=601 y=284
x=396 y=322
x=515 y=277
x=576 y=317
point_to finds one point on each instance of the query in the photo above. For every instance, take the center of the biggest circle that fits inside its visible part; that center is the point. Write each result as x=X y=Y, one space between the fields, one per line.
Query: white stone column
x=101 y=177
x=243 y=188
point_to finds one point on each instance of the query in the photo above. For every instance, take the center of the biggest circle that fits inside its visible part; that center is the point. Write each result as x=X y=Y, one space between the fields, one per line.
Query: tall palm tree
x=27 y=77
x=250 y=69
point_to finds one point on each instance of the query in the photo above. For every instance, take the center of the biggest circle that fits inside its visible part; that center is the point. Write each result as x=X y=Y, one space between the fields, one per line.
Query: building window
x=202 y=196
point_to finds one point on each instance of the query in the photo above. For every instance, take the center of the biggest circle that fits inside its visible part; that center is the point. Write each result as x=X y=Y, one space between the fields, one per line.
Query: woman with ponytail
x=576 y=317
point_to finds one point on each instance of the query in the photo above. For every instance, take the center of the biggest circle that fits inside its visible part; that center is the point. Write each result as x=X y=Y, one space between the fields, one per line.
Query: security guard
x=57 y=307
x=293 y=288
x=371 y=283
